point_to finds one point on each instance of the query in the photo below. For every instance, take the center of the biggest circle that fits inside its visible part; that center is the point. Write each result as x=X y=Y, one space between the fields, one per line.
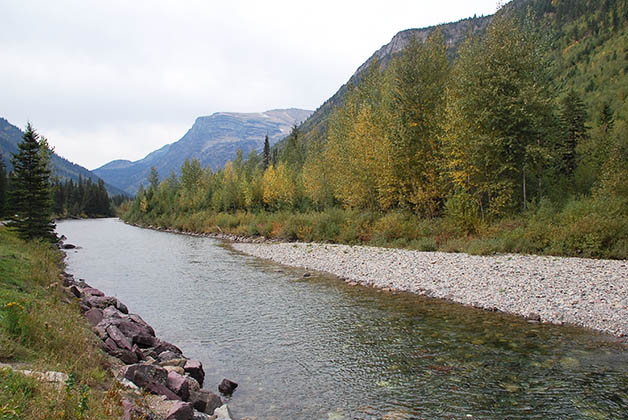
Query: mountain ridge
x=11 y=136
x=213 y=140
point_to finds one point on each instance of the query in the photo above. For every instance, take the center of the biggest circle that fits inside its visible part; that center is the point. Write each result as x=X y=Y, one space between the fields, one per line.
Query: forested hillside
x=518 y=142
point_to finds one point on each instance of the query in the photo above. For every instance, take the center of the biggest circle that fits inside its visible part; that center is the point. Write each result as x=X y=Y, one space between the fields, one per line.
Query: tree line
x=478 y=139
x=30 y=197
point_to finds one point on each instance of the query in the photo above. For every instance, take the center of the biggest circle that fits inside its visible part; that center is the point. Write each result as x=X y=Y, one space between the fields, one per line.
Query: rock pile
x=152 y=364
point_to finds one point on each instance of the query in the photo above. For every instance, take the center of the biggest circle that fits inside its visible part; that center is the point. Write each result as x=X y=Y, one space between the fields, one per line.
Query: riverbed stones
x=179 y=385
x=227 y=386
x=194 y=368
x=205 y=401
x=132 y=340
x=94 y=316
x=181 y=411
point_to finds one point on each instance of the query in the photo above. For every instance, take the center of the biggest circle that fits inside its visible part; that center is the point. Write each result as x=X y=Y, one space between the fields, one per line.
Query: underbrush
x=41 y=329
x=595 y=227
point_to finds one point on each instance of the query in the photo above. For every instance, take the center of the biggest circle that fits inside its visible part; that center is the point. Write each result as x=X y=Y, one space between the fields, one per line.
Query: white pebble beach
x=584 y=292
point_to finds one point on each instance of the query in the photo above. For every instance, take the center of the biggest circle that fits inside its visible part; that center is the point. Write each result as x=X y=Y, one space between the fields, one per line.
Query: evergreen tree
x=30 y=197
x=153 y=179
x=573 y=116
x=266 y=153
x=3 y=187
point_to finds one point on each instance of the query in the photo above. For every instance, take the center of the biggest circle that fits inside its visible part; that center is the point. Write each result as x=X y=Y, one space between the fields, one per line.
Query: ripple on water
x=316 y=348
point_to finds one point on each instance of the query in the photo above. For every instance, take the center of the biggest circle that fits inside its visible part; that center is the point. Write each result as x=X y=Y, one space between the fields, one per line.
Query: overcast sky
x=105 y=80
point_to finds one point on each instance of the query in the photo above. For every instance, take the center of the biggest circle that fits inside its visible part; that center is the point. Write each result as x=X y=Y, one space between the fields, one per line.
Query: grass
x=41 y=329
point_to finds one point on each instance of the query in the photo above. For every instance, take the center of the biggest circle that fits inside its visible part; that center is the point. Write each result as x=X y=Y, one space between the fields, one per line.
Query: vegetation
x=83 y=198
x=41 y=329
x=515 y=146
x=29 y=196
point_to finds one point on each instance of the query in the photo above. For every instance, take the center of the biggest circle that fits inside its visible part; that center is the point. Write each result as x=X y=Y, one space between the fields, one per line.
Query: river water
x=316 y=348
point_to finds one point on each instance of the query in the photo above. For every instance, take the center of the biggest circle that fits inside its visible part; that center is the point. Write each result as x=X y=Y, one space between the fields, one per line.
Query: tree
x=266 y=153
x=30 y=198
x=420 y=77
x=499 y=118
x=153 y=179
x=3 y=187
x=573 y=117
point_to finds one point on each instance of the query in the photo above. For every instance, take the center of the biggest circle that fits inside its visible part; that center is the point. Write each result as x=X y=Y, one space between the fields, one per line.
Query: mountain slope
x=213 y=140
x=10 y=136
x=455 y=34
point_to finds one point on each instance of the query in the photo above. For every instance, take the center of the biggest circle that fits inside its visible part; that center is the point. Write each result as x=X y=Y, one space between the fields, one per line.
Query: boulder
x=195 y=369
x=142 y=374
x=102 y=302
x=192 y=383
x=165 y=346
x=127 y=357
x=111 y=312
x=227 y=386
x=178 y=385
x=94 y=316
x=120 y=339
x=181 y=411
x=68 y=246
x=138 y=320
x=75 y=291
x=205 y=401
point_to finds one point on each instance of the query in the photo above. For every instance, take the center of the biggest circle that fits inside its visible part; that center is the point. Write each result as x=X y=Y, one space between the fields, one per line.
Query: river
x=317 y=348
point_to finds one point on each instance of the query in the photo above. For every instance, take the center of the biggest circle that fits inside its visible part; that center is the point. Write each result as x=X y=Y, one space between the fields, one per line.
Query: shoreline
x=559 y=290
x=584 y=292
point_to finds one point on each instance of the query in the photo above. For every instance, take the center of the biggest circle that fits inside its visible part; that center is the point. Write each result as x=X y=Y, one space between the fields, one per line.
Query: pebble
x=585 y=292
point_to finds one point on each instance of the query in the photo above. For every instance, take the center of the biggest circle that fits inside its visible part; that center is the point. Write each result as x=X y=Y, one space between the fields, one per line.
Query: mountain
x=11 y=136
x=213 y=140
x=454 y=33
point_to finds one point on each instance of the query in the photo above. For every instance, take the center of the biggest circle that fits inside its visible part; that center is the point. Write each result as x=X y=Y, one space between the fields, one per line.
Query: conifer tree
x=3 y=187
x=30 y=198
x=573 y=116
x=266 y=153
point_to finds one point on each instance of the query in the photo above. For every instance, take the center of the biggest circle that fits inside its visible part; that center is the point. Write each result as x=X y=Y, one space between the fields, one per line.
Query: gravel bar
x=585 y=292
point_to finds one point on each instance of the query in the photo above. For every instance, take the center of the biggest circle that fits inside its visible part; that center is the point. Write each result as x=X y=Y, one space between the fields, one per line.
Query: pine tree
x=3 y=187
x=30 y=198
x=573 y=116
x=153 y=179
x=266 y=153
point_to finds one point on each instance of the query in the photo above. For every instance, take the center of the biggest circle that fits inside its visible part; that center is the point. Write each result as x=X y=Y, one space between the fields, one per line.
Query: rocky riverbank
x=583 y=292
x=147 y=363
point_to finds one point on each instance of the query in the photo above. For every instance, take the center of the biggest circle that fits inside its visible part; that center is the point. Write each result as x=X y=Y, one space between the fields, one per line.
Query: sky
x=117 y=79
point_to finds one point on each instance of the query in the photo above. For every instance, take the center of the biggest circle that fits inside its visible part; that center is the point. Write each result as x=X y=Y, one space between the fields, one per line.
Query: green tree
x=30 y=198
x=4 y=185
x=573 y=117
x=499 y=118
x=266 y=159
x=153 y=179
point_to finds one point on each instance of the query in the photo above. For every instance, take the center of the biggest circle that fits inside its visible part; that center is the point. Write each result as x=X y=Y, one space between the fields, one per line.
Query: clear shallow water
x=315 y=348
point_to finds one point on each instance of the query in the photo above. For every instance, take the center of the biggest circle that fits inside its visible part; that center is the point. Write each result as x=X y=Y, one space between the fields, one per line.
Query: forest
x=518 y=144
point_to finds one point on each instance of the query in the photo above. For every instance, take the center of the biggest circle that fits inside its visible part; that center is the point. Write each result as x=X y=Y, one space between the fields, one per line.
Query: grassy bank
x=41 y=329
x=584 y=227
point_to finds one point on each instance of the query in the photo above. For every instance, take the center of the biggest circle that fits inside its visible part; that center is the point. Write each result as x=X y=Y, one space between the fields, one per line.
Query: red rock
x=181 y=411
x=195 y=369
x=178 y=385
